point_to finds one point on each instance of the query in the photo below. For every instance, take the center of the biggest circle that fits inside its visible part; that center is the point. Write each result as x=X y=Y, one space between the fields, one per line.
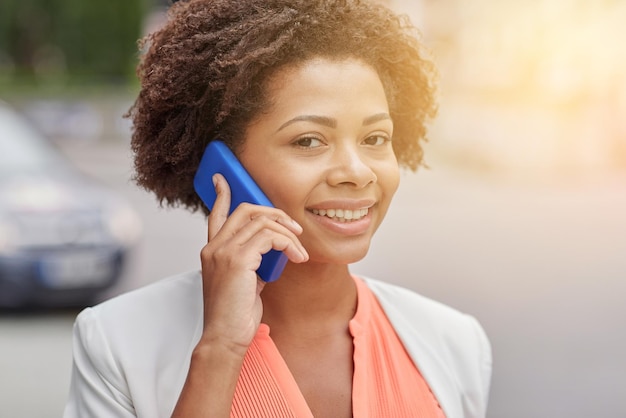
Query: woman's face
x=322 y=153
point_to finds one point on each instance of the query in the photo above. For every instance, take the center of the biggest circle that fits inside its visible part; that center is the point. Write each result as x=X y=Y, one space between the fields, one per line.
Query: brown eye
x=308 y=142
x=375 y=140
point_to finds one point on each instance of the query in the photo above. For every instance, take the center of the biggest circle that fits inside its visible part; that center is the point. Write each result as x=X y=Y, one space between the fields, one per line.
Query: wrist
x=211 y=380
x=214 y=346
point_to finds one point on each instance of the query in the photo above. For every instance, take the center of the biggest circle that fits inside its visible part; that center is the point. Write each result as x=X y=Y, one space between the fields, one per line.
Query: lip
x=343 y=204
x=351 y=228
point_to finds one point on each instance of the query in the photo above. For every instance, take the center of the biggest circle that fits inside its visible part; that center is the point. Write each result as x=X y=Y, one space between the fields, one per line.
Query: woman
x=321 y=101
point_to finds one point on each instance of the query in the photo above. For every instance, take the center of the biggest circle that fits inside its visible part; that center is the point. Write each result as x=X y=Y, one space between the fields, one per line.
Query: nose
x=350 y=167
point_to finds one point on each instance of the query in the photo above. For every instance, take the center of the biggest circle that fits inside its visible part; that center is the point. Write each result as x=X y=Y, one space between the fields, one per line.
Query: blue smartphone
x=218 y=158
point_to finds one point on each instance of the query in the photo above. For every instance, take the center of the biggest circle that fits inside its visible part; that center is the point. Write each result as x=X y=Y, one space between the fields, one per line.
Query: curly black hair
x=204 y=75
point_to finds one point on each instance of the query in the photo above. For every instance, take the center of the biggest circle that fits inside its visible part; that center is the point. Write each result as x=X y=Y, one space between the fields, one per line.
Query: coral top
x=386 y=382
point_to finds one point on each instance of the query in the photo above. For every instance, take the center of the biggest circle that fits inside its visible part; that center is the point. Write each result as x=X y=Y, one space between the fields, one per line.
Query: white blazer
x=132 y=353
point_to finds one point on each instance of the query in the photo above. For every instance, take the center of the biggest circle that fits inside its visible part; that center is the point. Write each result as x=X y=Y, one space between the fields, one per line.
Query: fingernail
x=214 y=178
x=297 y=225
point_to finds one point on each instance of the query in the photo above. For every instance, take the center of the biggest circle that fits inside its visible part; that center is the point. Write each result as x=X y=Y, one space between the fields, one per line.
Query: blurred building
x=534 y=85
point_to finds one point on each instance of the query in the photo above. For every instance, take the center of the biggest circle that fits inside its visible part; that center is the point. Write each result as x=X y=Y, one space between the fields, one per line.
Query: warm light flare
x=535 y=84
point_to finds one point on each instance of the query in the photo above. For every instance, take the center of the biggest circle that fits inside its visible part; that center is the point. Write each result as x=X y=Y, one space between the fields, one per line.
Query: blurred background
x=519 y=219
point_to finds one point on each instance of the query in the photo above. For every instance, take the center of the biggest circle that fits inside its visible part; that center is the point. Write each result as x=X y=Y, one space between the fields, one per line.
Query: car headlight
x=123 y=224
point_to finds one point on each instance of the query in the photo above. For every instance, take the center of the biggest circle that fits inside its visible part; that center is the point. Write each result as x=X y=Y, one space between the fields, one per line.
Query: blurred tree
x=73 y=39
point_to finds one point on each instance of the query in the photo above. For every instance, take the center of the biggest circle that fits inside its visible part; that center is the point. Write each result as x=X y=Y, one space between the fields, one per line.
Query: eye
x=308 y=142
x=375 y=140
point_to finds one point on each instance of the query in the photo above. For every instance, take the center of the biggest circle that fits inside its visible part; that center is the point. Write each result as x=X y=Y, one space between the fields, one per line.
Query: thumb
x=221 y=207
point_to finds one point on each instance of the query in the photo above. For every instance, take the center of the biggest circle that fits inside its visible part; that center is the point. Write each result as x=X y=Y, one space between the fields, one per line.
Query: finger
x=219 y=212
x=283 y=219
x=264 y=221
x=267 y=240
x=246 y=248
x=247 y=212
x=276 y=237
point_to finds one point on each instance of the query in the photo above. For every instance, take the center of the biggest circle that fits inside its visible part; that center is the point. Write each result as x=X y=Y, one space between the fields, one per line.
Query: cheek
x=284 y=190
x=267 y=174
x=389 y=178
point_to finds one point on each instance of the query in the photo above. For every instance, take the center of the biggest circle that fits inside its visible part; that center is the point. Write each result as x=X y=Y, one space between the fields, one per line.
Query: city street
x=539 y=260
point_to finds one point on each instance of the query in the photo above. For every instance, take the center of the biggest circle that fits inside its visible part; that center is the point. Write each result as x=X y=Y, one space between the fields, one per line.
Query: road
x=540 y=260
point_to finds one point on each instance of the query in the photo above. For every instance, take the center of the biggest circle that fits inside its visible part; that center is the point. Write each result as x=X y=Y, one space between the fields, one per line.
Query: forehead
x=318 y=76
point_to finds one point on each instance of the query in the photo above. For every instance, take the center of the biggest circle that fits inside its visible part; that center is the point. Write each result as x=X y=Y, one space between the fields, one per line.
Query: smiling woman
x=323 y=128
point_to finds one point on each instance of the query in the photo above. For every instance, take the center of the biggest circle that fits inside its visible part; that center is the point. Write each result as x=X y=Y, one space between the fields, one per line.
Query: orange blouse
x=386 y=383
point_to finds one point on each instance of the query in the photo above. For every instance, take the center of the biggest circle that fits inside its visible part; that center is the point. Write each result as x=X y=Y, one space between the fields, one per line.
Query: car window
x=22 y=149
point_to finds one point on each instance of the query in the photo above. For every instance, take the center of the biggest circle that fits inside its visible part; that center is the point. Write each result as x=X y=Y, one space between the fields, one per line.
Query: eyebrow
x=322 y=120
x=332 y=123
x=376 y=118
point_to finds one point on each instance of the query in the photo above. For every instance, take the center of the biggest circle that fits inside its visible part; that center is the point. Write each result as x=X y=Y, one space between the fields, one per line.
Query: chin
x=340 y=256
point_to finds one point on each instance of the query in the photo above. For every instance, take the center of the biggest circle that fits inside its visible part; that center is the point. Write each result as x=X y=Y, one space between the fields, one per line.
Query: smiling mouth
x=342 y=215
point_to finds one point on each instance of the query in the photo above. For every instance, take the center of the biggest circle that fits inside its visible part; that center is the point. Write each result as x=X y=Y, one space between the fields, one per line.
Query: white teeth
x=342 y=215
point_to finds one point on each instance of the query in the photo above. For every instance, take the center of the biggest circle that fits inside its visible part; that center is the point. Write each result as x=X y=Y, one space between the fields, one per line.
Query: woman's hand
x=232 y=302
x=236 y=243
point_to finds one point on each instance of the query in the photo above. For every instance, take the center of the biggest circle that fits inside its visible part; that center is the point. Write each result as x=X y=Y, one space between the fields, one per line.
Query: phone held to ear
x=218 y=158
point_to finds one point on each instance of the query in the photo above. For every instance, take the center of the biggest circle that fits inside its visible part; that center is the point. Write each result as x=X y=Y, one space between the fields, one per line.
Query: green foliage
x=76 y=41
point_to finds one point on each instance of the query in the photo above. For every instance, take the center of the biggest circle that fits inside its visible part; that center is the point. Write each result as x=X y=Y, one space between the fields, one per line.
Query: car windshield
x=22 y=149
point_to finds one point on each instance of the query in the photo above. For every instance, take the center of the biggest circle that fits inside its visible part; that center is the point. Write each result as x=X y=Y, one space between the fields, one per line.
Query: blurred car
x=64 y=238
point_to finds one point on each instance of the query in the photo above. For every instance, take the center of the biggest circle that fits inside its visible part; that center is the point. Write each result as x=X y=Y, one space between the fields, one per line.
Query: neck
x=309 y=296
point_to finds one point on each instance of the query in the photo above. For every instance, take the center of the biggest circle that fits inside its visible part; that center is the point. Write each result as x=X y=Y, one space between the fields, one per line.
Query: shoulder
x=397 y=300
x=437 y=323
x=166 y=314
x=167 y=305
x=131 y=352
x=163 y=296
